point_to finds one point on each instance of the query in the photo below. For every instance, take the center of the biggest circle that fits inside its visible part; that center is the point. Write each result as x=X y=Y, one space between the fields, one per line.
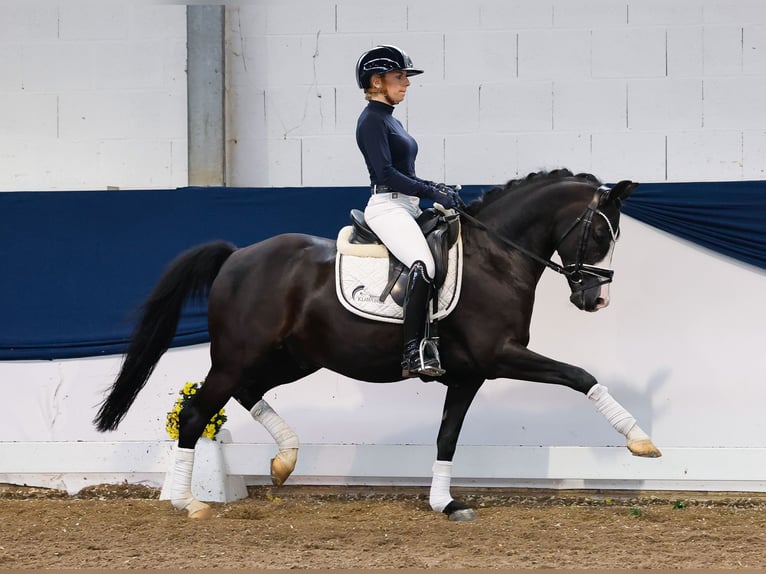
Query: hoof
x=466 y=515
x=283 y=465
x=458 y=512
x=199 y=510
x=644 y=448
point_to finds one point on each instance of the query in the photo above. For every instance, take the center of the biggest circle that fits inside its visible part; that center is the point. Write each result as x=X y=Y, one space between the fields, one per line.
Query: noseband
x=577 y=272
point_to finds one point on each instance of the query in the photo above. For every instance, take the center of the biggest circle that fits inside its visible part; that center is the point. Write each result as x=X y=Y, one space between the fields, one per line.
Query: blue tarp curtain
x=726 y=217
x=75 y=266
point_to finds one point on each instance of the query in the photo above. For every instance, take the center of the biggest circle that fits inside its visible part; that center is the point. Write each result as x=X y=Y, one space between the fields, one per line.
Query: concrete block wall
x=650 y=90
x=92 y=94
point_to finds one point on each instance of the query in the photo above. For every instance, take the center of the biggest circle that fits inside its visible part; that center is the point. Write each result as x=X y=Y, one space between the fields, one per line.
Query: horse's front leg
x=523 y=364
x=456 y=405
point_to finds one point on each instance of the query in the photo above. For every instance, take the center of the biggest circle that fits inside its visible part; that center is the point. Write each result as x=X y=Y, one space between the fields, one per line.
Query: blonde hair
x=371 y=92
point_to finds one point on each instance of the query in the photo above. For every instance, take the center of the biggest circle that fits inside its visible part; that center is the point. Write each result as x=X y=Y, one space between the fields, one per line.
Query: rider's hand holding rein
x=447 y=196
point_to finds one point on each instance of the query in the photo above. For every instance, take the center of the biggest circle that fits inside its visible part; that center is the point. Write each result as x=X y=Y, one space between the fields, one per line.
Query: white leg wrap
x=635 y=434
x=180 y=490
x=439 y=496
x=617 y=416
x=282 y=434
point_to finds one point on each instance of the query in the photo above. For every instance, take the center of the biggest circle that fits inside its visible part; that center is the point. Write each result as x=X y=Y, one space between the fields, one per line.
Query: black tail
x=189 y=275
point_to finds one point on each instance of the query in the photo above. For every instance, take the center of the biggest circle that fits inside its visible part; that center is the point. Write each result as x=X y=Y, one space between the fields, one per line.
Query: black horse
x=274 y=317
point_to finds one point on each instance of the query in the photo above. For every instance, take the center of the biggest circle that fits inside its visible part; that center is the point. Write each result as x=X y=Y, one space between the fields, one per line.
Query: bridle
x=576 y=273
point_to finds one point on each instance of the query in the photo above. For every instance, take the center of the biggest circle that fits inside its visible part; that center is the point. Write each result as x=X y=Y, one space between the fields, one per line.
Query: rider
x=389 y=152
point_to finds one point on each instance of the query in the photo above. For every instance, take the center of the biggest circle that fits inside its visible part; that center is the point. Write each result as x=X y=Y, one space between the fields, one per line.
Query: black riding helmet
x=380 y=60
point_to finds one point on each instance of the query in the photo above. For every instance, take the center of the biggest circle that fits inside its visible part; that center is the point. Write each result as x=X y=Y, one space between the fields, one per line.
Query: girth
x=440 y=230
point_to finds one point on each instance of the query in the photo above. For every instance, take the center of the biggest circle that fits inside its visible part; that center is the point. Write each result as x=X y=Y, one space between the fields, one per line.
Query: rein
x=574 y=272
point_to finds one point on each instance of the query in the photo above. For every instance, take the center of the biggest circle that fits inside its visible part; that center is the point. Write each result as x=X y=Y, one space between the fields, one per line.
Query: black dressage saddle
x=440 y=230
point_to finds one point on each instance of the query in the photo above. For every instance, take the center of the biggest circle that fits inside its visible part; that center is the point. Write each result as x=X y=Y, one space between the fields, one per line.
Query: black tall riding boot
x=420 y=356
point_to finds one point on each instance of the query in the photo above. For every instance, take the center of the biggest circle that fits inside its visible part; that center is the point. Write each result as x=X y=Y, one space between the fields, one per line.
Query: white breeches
x=393 y=221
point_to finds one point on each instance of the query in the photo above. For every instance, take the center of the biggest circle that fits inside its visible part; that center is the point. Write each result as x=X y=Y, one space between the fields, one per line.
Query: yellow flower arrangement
x=171 y=424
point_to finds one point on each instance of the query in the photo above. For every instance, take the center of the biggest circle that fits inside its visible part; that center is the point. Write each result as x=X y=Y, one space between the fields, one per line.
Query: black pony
x=274 y=317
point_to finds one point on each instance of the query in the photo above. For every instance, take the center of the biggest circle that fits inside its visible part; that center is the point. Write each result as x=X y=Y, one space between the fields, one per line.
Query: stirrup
x=428 y=361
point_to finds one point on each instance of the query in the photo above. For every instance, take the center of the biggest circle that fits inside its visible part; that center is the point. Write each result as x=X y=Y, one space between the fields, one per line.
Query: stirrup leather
x=426 y=360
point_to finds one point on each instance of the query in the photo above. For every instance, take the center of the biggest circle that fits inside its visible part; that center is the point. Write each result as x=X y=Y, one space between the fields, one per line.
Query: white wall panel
x=440 y=15
x=59 y=67
x=705 y=155
x=625 y=155
x=516 y=106
x=34 y=115
x=722 y=50
x=77 y=19
x=121 y=115
x=107 y=72
x=735 y=12
x=480 y=56
x=485 y=159
x=299 y=16
x=299 y=111
x=665 y=13
x=323 y=164
x=554 y=54
x=753 y=154
x=685 y=52
x=631 y=53
x=664 y=104
x=268 y=161
x=515 y=14
x=135 y=163
x=37 y=22
x=589 y=13
x=593 y=105
x=546 y=151
x=735 y=103
x=355 y=17
x=430 y=162
x=754 y=50
x=460 y=115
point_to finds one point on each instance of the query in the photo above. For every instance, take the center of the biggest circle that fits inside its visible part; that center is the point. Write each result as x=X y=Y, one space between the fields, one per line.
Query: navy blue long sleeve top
x=388 y=150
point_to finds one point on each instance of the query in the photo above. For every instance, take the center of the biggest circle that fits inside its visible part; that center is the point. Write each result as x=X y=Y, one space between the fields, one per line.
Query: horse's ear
x=620 y=192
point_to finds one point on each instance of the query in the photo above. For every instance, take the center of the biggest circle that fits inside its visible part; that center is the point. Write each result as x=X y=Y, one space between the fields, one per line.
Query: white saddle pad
x=361 y=275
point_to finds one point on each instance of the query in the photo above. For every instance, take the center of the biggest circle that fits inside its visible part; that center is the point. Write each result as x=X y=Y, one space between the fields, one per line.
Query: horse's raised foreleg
x=523 y=364
x=283 y=464
x=639 y=442
x=456 y=405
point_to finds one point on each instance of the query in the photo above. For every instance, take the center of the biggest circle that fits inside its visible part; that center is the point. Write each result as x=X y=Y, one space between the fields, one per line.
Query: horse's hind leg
x=278 y=369
x=213 y=395
x=283 y=464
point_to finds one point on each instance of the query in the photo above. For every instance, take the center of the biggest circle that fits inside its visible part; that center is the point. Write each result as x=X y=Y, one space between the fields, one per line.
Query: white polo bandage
x=439 y=496
x=279 y=430
x=180 y=489
x=617 y=416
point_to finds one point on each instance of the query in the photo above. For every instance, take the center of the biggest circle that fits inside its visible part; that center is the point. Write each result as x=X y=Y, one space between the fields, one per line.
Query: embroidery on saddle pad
x=361 y=275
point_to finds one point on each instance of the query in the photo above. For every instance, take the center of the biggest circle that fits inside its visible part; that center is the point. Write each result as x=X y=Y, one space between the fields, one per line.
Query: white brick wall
x=650 y=90
x=94 y=94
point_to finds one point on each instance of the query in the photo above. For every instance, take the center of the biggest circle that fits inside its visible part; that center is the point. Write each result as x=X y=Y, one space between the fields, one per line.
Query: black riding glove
x=449 y=196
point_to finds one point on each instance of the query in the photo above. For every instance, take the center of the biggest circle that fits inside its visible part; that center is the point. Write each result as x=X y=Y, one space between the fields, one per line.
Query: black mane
x=532 y=179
